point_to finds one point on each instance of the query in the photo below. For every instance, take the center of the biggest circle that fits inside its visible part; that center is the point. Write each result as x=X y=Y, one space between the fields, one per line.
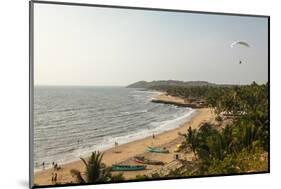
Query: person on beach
x=52 y=177
x=55 y=178
x=153 y=136
x=56 y=166
x=43 y=165
x=116 y=144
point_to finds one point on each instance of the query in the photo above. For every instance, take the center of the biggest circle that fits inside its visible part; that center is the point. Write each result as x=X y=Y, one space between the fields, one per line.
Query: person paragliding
x=239 y=44
x=242 y=43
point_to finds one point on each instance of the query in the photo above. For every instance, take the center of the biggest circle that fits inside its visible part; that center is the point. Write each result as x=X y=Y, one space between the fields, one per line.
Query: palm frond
x=77 y=174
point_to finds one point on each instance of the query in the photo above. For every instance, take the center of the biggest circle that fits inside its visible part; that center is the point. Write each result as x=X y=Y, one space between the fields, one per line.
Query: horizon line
x=78 y=85
x=67 y=85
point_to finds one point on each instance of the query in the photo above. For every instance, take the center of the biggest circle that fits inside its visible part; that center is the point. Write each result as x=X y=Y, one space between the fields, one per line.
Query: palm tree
x=216 y=146
x=78 y=176
x=191 y=139
x=95 y=170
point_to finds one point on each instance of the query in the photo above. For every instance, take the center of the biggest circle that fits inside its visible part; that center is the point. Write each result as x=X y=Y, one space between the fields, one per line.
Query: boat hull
x=149 y=162
x=157 y=150
x=127 y=167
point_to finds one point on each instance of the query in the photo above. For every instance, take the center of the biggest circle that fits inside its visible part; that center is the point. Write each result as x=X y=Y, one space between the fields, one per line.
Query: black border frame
x=31 y=86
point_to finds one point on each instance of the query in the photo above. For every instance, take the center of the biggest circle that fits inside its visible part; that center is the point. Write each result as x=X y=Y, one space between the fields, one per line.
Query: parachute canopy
x=239 y=43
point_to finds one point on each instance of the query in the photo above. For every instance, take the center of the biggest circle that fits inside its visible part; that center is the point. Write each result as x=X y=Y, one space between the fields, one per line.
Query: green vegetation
x=146 y=177
x=141 y=177
x=239 y=147
x=168 y=83
x=95 y=171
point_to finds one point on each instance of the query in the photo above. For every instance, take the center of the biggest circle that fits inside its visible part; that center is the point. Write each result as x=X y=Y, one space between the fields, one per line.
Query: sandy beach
x=168 y=139
x=168 y=98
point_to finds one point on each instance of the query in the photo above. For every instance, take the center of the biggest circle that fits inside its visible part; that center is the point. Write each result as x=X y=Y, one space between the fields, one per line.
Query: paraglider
x=239 y=43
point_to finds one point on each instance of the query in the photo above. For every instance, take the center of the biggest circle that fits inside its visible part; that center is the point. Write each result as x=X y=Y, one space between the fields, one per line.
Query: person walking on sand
x=43 y=165
x=153 y=136
x=116 y=144
x=52 y=177
x=55 y=178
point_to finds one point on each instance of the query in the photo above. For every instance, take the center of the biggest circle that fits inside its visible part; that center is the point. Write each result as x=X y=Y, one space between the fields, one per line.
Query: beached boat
x=141 y=159
x=157 y=149
x=128 y=167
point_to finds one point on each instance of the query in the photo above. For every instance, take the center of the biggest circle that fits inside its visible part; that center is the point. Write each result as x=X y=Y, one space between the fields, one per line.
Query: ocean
x=70 y=122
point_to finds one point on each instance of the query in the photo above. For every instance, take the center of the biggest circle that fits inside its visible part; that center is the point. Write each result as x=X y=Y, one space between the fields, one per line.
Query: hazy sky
x=102 y=46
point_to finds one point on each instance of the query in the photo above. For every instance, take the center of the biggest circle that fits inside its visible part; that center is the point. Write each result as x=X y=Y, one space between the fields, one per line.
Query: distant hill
x=153 y=84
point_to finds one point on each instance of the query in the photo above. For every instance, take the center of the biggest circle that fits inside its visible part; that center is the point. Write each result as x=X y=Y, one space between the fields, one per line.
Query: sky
x=94 y=46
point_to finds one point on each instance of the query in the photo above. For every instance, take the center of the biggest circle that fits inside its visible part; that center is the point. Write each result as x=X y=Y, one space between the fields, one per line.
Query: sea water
x=70 y=122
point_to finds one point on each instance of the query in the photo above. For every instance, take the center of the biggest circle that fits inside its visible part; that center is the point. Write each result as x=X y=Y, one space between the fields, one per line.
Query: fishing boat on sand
x=143 y=160
x=128 y=167
x=157 y=149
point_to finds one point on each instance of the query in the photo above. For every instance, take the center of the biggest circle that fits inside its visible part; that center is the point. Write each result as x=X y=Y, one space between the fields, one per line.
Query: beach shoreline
x=159 y=127
x=168 y=139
